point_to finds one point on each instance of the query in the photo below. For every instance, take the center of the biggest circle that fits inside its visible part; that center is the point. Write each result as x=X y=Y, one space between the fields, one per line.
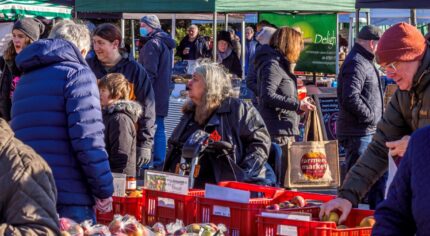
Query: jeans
x=284 y=142
x=354 y=148
x=160 y=142
x=77 y=213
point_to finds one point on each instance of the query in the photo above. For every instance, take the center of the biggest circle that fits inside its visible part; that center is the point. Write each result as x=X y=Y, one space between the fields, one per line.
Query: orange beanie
x=401 y=42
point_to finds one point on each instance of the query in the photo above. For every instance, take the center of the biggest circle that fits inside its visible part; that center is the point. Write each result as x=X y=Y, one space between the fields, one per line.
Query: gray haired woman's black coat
x=240 y=124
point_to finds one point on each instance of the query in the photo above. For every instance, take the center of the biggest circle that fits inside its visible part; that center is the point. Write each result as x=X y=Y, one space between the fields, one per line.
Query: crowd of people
x=75 y=108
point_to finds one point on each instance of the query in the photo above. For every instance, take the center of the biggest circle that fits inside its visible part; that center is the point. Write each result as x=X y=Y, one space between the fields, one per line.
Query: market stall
x=238 y=207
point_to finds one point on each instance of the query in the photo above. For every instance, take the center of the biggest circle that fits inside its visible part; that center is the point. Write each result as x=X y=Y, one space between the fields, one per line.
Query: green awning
x=15 y=9
x=209 y=6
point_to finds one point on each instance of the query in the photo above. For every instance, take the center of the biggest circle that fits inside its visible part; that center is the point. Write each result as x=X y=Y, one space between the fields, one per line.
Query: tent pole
x=337 y=45
x=214 y=34
x=122 y=32
x=173 y=34
x=368 y=18
x=350 y=34
x=414 y=17
x=357 y=21
x=243 y=47
x=226 y=22
x=133 y=44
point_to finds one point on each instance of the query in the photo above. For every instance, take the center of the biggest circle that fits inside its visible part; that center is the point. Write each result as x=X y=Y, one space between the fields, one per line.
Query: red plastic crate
x=123 y=205
x=178 y=206
x=240 y=218
x=268 y=226
x=288 y=195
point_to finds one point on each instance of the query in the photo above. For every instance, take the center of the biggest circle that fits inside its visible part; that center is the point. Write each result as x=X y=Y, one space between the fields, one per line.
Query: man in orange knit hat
x=403 y=55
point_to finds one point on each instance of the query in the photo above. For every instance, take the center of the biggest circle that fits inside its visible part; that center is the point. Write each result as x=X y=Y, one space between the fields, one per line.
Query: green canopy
x=15 y=9
x=210 y=6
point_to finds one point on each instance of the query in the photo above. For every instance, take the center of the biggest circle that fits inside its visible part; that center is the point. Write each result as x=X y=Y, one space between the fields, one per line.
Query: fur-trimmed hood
x=131 y=108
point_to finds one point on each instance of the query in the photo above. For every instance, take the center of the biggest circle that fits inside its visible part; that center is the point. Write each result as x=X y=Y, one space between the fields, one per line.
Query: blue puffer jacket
x=406 y=209
x=57 y=112
x=156 y=57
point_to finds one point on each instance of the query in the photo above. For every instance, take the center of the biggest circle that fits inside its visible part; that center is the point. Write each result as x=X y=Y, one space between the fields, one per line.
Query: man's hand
x=104 y=205
x=340 y=204
x=143 y=156
x=398 y=148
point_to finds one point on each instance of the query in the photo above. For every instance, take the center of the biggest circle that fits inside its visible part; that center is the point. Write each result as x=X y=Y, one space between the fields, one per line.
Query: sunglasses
x=390 y=68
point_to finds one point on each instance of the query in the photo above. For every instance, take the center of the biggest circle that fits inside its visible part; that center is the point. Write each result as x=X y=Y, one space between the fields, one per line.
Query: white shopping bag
x=392 y=169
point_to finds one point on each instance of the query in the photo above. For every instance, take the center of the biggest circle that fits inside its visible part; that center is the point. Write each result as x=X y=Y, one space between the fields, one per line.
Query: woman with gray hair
x=211 y=108
x=58 y=114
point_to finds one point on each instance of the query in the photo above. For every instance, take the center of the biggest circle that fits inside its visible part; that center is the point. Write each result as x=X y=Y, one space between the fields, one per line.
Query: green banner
x=319 y=34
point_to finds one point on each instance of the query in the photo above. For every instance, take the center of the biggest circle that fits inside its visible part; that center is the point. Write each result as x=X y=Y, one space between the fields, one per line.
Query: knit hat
x=224 y=35
x=31 y=27
x=152 y=21
x=370 y=32
x=401 y=42
x=264 y=36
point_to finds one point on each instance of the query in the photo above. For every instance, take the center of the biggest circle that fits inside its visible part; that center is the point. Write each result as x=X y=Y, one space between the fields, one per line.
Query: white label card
x=286 y=230
x=166 y=182
x=221 y=211
x=166 y=202
x=226 y=194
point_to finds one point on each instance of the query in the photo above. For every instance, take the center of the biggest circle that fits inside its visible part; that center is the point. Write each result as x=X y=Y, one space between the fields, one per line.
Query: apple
x=273 y=207
x=333 y=216
x=193 y=228
x=65 y=224
x=65 y=233
x=298 y=201
x=115 y=226
x=367 y=221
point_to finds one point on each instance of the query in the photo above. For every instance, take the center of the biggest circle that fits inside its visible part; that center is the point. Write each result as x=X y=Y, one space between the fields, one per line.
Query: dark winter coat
x=359 y=93
x=406 y=112
x=232 y=63
x=28 y=195
x=277 y=89
x=120 y=135
x=251 y=76
x=406 y=209
x=8 y=71
x=136 y=74
x=250 y=47
x=56 y=111
x=156 y=57
x=198 y=48
x=237 y=123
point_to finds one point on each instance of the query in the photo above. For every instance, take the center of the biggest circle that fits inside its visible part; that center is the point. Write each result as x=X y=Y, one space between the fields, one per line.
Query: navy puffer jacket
x=57 y=112
x=156 y=57
x=359 y=93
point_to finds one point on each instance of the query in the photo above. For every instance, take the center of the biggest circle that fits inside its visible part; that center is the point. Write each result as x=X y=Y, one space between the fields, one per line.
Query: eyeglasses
x=390 y=68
